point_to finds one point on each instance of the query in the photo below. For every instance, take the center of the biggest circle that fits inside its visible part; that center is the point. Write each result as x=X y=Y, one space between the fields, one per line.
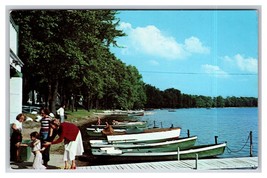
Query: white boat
x=136 y=113
x=148 y=135
x=170 y=145
x=202 y=151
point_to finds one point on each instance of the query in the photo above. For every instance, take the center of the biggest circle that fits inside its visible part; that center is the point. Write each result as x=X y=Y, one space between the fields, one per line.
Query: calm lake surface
x=231 y=125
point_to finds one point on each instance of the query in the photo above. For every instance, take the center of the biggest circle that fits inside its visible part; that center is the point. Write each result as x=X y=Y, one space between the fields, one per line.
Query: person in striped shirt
x=45 y=133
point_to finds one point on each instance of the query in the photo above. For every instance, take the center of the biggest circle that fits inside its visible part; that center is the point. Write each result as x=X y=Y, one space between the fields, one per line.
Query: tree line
x=66 y=55
x=173 y=98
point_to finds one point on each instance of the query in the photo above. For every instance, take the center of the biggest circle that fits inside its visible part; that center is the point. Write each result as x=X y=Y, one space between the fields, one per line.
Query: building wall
x=15 y=87
x=15 y=97
x=13 y=38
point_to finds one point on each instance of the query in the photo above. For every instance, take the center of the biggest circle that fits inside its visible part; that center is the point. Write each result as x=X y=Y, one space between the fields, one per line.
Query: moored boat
x=97 y=132
x=203 y=151
x=147 y=135
x=164 y=146
x=123 y=125
x=136 y=113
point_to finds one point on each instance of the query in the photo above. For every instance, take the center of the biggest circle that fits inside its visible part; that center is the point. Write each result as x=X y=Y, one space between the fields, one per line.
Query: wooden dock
x=243 y=163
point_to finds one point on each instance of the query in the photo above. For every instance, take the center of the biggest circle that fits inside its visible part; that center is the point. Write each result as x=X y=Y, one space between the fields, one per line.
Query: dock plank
x=182 y=165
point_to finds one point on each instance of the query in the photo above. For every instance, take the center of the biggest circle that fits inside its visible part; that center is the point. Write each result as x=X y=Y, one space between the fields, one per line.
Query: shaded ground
x=58 y=149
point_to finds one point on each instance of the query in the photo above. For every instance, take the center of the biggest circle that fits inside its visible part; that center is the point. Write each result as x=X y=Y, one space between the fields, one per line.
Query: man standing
x=60 y=113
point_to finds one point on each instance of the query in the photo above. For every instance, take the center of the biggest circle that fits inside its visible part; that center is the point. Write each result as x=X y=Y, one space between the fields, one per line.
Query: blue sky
x=199 y=52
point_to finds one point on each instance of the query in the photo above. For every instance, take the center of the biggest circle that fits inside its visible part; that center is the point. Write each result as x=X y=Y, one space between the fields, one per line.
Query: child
x=36 y=149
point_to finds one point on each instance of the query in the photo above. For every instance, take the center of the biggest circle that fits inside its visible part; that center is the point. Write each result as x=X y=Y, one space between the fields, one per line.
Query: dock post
x=188 y=133
x=250 y=137
x=216 y=140
x=196 y=161
x=178 y=154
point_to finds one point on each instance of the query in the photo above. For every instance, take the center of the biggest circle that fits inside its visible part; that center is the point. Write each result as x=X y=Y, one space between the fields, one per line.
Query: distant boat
x=172 y=110
x=114 y=113
x=163 y=146
x=136 y=113
x=123 y=125
x=203 y=151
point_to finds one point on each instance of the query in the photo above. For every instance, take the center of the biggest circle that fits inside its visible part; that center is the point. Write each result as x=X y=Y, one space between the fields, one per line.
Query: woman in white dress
x=36 y=149
x=73 y=143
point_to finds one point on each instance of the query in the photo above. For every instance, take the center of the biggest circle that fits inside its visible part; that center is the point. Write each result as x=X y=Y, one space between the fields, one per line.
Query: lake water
x=231 y=125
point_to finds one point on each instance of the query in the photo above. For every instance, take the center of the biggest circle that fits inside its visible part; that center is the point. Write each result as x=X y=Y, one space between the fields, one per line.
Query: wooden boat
x=112 y=154
x=147 y=135
x=164 y=146
x=171 y=110
x=123 y=125
x=136 y=113
x=98 y=132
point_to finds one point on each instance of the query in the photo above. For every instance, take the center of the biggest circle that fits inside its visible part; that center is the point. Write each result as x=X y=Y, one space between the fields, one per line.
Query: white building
x=16 y=64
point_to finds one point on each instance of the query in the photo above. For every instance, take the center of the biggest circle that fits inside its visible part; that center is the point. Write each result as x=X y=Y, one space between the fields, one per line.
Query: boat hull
x=166 y=146
x=205 y=151
x=148 y=135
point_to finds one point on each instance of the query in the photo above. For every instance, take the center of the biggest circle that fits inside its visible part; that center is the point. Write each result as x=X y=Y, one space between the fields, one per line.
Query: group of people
x=42 y=140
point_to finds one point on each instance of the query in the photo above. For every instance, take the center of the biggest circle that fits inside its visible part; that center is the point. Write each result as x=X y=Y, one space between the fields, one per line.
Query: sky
x=199 y=52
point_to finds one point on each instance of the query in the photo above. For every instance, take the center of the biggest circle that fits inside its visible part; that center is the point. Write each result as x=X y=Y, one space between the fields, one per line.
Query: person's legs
x=66 y=165
x=73 y=164
x=46 y=156
x=62 y=119
x=18 y=159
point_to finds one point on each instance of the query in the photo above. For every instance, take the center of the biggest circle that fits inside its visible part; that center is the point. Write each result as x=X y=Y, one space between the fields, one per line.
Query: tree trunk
x=88 y=103
x=52 y=98
x=26 y=91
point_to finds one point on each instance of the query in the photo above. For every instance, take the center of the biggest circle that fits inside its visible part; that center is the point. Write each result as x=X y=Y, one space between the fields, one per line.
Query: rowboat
x=171 y=110
x=103 y=132
x=123 y=125
x=147 y=135
x=164 y=146
x=97 y=132
x=136 y=113
x=133 y=134
x=112 y=154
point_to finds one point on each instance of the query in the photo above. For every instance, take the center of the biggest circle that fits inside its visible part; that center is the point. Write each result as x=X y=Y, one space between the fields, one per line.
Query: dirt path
x=58 y=149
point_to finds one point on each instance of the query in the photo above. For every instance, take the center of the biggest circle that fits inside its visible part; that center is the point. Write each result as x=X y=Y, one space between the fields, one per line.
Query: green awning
x=14 y=72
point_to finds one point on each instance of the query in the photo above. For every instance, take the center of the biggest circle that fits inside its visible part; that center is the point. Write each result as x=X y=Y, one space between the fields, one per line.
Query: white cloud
x=150 y=40
x=125 y=26
x=194 y=45
x=154 y=63
x=214 y=70
x=244 y=64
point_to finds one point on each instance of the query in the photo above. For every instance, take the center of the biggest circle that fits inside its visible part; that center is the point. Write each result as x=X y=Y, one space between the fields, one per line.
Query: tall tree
x=57 y=45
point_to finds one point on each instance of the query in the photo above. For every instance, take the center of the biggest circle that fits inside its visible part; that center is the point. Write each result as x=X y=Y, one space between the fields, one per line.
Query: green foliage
x=173 y=98
x=66 y=52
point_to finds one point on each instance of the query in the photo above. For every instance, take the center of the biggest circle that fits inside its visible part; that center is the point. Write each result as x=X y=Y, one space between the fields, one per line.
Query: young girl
x=36 y=149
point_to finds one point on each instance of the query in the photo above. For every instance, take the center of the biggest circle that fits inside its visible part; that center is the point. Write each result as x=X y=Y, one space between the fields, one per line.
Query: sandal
x=74 y=167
